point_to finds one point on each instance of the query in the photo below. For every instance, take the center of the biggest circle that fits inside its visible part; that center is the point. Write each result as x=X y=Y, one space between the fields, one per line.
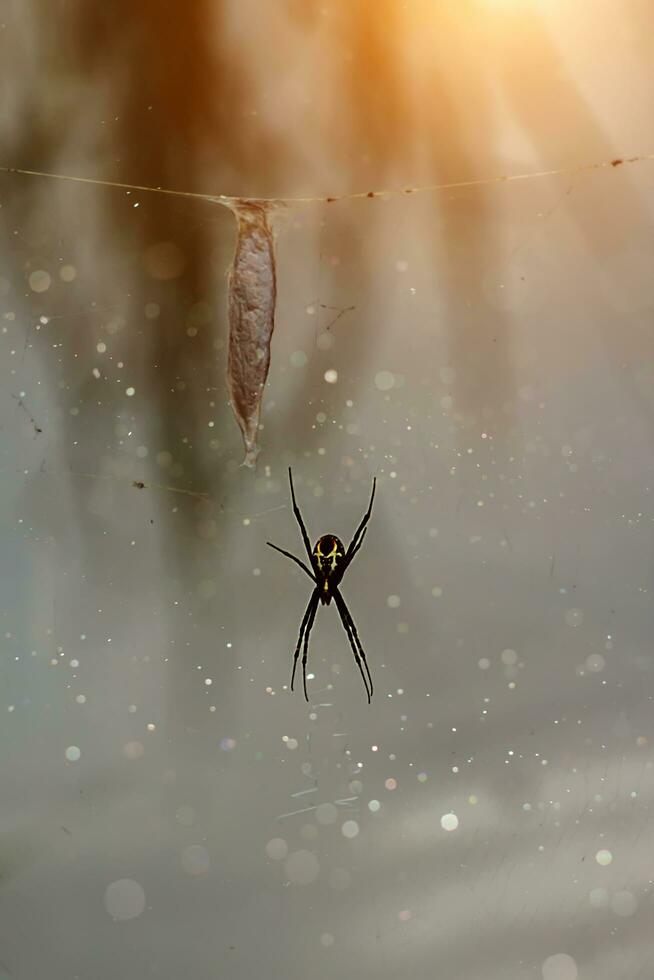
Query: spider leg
x=358 y=642
x=356 y=548
x=358 y=534
x=298 y=561
x=298 y=516
x=311 y=608
x=355 y=643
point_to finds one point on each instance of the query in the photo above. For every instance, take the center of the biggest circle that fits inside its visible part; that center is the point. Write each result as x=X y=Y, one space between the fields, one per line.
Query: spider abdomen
x=329 y=553
x=328 y=556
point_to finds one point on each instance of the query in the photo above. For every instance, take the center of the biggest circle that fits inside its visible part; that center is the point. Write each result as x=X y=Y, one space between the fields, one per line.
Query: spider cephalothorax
x=329 y=561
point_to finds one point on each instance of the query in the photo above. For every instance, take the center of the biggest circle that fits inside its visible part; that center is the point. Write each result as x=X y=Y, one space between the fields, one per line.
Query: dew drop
x=124 y=899
x=384 y=380
x=277 y=849
x=598 y=898
x=39 y=281
x=350 y=829
x=302 y=867
x=560 y=966
x=595 y=662
x=449 y=821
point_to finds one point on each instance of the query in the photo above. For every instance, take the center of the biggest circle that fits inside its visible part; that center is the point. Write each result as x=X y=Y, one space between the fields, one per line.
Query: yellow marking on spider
x=334 y=555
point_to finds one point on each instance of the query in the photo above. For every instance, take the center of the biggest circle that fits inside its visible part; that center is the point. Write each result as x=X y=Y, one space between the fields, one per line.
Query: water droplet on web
x=67 y=273
x=350 y=829
x=384 y=380
x=277 y=849
x=449 y=821
x=302 y=867
x=598 y=898
x=39 y=281
x=124 y=899
x=560 y=966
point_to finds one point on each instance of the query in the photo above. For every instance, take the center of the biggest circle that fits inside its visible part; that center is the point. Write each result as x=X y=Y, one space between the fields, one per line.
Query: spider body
x=328 y=562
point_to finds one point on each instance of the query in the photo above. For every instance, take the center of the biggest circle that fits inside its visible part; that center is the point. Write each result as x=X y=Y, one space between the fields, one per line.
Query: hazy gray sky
x=169 y=807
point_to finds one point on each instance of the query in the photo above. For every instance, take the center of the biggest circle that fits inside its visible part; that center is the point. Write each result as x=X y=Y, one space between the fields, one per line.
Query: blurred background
x=168 y=806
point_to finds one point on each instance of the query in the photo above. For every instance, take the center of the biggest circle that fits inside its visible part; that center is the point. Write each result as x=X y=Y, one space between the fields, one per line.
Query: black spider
x=329 y=561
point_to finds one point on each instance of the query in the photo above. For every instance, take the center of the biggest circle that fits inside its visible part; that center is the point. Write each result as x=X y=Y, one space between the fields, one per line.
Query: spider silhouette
x=329 y=561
